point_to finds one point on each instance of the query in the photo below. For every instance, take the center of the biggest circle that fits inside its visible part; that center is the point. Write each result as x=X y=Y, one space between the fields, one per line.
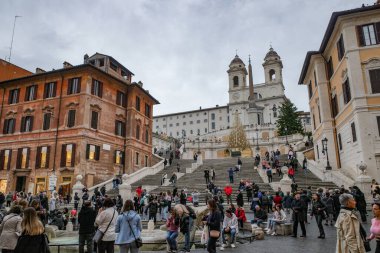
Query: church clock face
x=236 y=96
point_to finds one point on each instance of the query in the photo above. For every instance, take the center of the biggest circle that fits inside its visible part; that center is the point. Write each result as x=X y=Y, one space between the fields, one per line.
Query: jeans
x=319 y=220
x=106 y=246
x=171 y=238
x=164 y=212
x=85 y=238
x=187 y=245
x=232 y=232
x=211 y=245
x=231 y=179
x=125 y=248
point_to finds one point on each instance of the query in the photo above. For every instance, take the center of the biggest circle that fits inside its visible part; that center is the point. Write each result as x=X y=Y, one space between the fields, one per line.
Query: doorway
x=20 y=184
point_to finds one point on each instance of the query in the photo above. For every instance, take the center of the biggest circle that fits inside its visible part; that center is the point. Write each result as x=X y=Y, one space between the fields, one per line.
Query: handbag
x=99 y=234
x=138 y=241
x=214 y=233
x=367 y=246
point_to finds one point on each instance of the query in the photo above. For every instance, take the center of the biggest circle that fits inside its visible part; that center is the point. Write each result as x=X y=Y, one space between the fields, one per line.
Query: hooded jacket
x=124 y=223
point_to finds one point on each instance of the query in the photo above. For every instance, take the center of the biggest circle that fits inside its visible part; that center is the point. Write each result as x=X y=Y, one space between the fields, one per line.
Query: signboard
x=106 y=147
x=52 y=182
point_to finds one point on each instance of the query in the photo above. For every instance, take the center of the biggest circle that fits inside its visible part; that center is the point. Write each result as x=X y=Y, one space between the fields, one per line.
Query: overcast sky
x=179 y=49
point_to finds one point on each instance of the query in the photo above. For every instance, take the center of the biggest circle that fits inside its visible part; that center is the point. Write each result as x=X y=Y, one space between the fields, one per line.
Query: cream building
x=257 y=107
x=343 y=80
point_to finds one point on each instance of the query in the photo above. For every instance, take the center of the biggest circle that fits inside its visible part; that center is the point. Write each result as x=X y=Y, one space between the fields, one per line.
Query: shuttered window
x=97 y=88
x=340 y=142
x=119 y=128
x=26 y=124
x=147 y=110
x=353 y=131
x=23 y=158
x=378 y=124
x=14 y=96
x=50 y=90
x=330 y=68
x=119 y=157
x=374 y=75
x=92 y=152
x=71 y=118
x=73 y=86
x=340 y=47
x=94 y=119
x=46 y=124
x=120 y=98
x=31 y=93
x=368 y=34
x=9 y=126
x=147 y=136
x=68 y=155
x=137 y=103
x=43 y=157
x=334 y=104
x=138 y=132
x=346 y=91
x=310 y=90
x=5 y=159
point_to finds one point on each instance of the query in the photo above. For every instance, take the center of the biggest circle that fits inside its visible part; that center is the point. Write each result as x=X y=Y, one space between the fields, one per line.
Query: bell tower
x=237 y=79
x=272 y=67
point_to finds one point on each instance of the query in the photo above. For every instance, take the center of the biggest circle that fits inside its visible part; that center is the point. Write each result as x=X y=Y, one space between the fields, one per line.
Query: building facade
x=343 y=80
x=75 y=120
x=256 y=107
x=10 y=71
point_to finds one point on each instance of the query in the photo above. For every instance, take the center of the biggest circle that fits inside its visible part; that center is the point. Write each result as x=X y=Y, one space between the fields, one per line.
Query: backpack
x=265 y=200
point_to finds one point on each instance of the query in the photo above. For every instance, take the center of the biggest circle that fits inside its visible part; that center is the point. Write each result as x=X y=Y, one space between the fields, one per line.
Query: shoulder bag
x=138 y=241
x=99 y=234
x=214 y=233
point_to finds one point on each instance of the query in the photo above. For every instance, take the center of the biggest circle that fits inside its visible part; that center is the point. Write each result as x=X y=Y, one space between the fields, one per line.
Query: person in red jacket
x=228 y=192
x=240 y=214
x=277 y=199
x=291 y=173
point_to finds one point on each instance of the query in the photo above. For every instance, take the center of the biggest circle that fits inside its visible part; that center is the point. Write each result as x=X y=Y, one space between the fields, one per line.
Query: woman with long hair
x=106 y=221
x=10 y=229
x=128 y=227
x=375 y=227
x=32 y=239
x=213 y=222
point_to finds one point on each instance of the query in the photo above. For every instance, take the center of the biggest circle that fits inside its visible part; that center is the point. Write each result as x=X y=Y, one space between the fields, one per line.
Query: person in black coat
x=239 y=199
x=360 y=202
x=298 y=207
x=213 y=222
x=86 y=219
x=318 y=210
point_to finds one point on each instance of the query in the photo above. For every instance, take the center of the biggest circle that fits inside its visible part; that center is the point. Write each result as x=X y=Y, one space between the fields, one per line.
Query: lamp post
x=324 y=145
x=257 y=139
x=286 y=136
x=199 y=150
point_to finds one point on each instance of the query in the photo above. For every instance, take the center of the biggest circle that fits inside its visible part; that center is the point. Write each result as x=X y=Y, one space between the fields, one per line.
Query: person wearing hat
x=86 y=219
x=318 y=211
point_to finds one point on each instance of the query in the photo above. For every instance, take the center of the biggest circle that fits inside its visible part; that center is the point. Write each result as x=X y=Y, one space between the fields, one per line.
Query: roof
x=193 y=111
x=271 y=53
x=114 y=60
x=7 y=62
x=329 y=31
x=86 y=65
x=236 y=60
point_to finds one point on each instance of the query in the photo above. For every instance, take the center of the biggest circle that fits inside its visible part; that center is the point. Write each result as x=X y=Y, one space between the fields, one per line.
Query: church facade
x=255 y=105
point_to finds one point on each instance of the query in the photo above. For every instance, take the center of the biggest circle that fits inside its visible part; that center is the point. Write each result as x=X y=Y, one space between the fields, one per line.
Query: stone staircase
x=304 y=179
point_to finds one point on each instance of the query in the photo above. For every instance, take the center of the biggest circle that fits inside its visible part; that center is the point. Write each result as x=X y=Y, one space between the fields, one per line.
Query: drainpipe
x=2 y=104
x=57 y=128
x=125 y=132
x=333 y=118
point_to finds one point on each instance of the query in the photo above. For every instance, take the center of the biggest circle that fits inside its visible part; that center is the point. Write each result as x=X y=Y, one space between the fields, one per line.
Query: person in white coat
x=107 y=217
x=10 y=229
x=230 y=226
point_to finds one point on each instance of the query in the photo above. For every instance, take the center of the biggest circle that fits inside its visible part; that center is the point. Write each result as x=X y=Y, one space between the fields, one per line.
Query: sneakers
x=222 y=248
x=269 y=232
x=233 y=245
x=274 y=233
x=224 y=245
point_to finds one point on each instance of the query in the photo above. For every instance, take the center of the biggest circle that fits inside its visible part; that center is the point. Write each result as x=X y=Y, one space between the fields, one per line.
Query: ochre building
x=89 y=119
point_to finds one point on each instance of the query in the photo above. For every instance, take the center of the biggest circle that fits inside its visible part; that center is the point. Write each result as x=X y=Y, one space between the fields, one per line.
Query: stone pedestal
x=285 y=182
x=364 y=183
x=125 y=191
x=78 y=187
x=69 y=226
x=200 y=159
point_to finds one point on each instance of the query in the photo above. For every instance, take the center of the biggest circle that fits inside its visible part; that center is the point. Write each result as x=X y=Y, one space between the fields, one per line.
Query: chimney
x=67 y=65
x=39 y=71
x=140 y=84
x=85 y=58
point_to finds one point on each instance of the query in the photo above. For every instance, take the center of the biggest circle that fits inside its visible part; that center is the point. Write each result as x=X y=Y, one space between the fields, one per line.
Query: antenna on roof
x=13 y=33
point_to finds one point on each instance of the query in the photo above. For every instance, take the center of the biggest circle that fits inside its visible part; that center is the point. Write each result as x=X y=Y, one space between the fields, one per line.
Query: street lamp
x=286 y=136
x=324 y=145
x=199 y=150
x=257 y=139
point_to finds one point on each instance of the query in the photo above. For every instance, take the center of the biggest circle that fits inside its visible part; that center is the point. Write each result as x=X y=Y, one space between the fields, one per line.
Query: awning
x=65 y=183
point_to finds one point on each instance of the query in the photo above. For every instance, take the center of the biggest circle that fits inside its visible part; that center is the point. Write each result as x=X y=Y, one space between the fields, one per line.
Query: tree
x=237 y=138
x=288 y=121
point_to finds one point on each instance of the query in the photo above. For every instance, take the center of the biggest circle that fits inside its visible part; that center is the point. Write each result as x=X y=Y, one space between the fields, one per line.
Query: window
x=319 y=114
x=205 y=130
x=340 y=47
x=184 y=123
x=43 y=157
x=272 y=75
x=147 y=110
x=71 y=118
x=26 y=124
x=205 y=120
x=330 y=68
x=147 y=136
x=191 y=122
x=170 y=125
x=315 y=79
x=9 y=126
x=13 y=96
x=353 y=131
x=340 y=142
x=46 y=124
x=119 y=157
x=367 y=34
x=113 y=66
x=205 y=113
x=137 y=103
x=31 y=93
x=236 y=81
x=94 y=119
x=23 y=158
x=220 y=118
x=68 y=155
x=5 y=159
x=310 y=90
x=374 y=75
x=138 y=132
x=184 y=116
x=97 y=88
x=73 y=86
x=313 y=120
x=346 y=92
x=137 y=158
x=92 y=152
x=101 y=62
x=177 y=134
x=177 y=124
x=378 y=124
x=212 y=116
x=119 y=128
x=198 y=121
x=191 y=131
x=317 y=152
x=50 y=90
x=146 y=161
x=120 y=98
x=335 y=109
x=212 y=125
x=198 y=131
